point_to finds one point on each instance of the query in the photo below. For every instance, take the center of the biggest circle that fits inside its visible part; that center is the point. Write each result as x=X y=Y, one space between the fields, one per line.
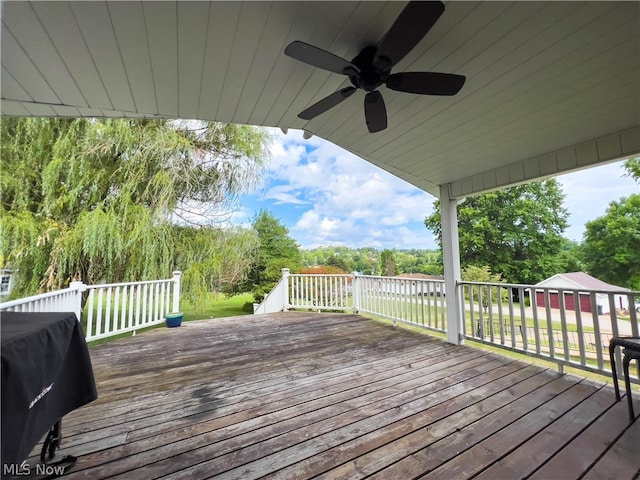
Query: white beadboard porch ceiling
x=551 y=87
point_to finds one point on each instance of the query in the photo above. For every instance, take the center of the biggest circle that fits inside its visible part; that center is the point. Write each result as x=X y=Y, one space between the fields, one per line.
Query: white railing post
x=285 y=291
x=451 y=261
x=355 y=285
x=78 y=288
x=177 y=275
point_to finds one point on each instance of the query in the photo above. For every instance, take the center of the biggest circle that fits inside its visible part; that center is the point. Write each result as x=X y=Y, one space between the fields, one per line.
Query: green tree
x=388 y=267
x=483 y=274
x=120 y=200
x=611 y=244
x=337 y=261
x=516 y=231
x=570 y=257
x=277 y=250
x=632 y=166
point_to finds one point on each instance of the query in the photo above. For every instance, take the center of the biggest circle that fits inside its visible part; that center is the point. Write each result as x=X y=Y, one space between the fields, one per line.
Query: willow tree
x=121 y=200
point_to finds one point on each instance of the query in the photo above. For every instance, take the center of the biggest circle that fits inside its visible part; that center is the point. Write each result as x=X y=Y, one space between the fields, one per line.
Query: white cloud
x=327 y=196
x=352 y=202
x=285 y=194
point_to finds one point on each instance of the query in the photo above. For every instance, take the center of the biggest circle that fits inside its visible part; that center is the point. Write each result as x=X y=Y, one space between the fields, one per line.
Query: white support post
x=285 y=289
x=177 y=275
x=451 y=260
x=79 y=287
x=355 y=285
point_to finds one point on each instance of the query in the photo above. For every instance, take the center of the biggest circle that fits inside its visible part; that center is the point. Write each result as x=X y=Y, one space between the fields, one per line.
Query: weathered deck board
x=295 y=395
x=593 y=442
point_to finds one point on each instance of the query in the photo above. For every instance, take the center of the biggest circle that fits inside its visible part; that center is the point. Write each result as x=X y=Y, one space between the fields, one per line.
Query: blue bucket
x=174 y=319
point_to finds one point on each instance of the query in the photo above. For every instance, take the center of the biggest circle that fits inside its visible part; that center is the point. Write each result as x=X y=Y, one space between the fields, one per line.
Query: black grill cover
x=46 y=373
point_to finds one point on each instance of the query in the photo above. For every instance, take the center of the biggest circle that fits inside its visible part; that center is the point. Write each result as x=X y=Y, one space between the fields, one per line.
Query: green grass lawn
x=216 y=306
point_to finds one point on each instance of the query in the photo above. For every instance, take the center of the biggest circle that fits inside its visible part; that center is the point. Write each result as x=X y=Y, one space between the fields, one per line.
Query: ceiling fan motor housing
x=369 y=77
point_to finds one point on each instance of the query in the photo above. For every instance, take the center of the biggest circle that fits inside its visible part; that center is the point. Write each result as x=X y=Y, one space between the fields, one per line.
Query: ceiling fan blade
x=317 y=57
x=410 y=27
x=426 y=83
x=375 y=112
x=326 y=103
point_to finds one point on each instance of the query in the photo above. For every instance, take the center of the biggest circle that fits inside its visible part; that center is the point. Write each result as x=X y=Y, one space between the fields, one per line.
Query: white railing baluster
x=512 y=320
x=547 y=303
x=107 y=313
x=156 y=305
x=145 y=303
x=536 y=326
x=138 y=302
x=117 y=325
x=161 y=308
x=501 y=313
x=132 y=301
x=563 y=321
x=523 y=321
x=489 y=314
x=90 y=303
x=99 y=330
x=578 y=310
x=598 y=340
x=431 y=304
x=124 y=299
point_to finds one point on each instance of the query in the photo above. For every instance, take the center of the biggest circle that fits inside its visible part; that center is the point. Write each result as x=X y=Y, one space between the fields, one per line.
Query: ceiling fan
x=372 y=66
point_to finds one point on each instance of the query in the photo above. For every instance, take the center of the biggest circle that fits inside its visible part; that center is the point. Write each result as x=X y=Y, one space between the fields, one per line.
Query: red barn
x=568 y=283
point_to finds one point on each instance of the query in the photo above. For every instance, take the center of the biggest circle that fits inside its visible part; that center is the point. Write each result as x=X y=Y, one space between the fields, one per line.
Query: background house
x=580 y=281
x=6 y=283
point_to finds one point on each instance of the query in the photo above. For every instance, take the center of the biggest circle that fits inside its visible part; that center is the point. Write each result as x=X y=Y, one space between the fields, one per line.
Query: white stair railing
x=276 y=300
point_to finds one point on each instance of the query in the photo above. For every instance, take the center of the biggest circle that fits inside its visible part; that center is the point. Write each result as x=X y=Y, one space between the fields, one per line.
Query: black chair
x=631 y=351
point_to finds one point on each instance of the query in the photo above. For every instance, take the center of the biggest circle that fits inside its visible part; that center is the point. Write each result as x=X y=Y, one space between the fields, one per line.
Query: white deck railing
x=535 y=321
x=320 y=292
x=66 y=300
x=118 y=308
x=414 y=301
x=567 y=326
x=110 y=309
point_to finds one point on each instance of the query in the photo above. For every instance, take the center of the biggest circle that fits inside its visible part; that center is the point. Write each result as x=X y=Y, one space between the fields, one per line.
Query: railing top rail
x=34 y=298
x=345 y=275
x=127 y=284
x=541 y=287
x=435 y=280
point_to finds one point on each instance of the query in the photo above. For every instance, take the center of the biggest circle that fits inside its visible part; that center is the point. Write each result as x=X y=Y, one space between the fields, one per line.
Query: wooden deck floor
x=298 y=395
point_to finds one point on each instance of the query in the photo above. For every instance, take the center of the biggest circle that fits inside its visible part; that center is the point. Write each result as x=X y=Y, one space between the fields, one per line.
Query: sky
x=327 y=196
